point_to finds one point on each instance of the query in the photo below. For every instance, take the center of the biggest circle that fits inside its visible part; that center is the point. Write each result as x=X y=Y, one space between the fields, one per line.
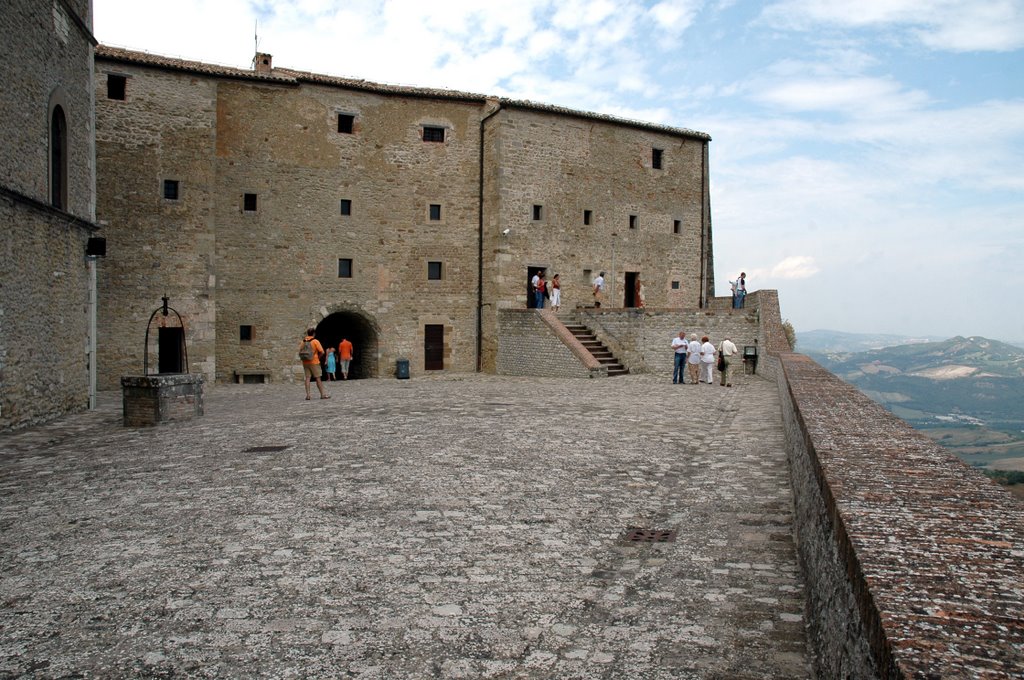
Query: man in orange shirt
x=310 y=351
x=344 y=356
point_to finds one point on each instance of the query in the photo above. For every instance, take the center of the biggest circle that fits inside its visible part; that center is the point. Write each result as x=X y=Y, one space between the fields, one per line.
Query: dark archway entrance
x=358 y=330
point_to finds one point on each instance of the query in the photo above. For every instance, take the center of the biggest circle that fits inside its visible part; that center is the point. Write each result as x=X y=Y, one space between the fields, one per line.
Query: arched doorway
x=360 y=332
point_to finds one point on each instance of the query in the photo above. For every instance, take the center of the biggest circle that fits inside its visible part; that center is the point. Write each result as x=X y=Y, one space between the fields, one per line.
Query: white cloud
x=953 y=25
x=795 y=267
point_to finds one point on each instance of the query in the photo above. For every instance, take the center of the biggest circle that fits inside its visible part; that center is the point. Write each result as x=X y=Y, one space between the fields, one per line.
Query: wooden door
x=433 y=347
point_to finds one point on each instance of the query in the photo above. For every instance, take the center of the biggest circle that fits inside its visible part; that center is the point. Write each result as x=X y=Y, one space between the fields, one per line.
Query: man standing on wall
x=344 y=356
x=310 y=352
x=679 y=346
x=598 y=289
x=726 y=349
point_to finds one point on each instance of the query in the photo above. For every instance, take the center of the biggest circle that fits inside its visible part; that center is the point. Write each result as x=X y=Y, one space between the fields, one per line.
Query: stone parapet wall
x=531 y=345
x=913 y=560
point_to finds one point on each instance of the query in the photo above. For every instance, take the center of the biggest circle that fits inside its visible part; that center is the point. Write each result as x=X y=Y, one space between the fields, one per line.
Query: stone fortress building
x=263 y=202
x=409 y=220
x=47 y=209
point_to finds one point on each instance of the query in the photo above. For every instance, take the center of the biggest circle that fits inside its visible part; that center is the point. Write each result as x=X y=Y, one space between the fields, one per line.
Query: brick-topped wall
x=913 y=560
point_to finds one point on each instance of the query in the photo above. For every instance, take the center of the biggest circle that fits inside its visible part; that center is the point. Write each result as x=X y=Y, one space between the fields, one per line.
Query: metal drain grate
x=264 y=449
x=638 y=535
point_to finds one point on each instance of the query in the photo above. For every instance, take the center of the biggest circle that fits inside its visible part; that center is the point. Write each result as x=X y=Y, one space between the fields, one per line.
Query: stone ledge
x=912 y=558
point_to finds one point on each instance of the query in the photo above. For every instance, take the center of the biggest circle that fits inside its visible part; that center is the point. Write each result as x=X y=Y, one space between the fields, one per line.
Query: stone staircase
x=595 y=347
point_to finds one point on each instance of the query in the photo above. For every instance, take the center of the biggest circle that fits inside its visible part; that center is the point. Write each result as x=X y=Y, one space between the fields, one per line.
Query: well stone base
x=153 y=399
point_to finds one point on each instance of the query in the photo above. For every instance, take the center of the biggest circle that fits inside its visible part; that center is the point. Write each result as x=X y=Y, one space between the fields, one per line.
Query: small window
x=433 y=134
x=632 y=221
x=249 y=202
x=434 y=271
x=435 y=212
x=587 y=217
x=656 y=158
x=675 y=285
x=538 y=213
x=245 y=334
x=346 y=206
x=171 y=189
x=345 y=123
x=344 y=267
x=677 y=226
x=116 y=86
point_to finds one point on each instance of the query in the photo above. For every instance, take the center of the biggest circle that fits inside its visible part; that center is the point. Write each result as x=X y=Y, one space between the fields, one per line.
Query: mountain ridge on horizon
x=832 y=341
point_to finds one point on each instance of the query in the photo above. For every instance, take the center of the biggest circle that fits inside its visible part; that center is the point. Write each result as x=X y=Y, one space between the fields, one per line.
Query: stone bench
x=248 y=375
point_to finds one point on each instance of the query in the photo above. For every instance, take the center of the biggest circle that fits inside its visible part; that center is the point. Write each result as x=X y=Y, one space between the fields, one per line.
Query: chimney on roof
x=264 y=63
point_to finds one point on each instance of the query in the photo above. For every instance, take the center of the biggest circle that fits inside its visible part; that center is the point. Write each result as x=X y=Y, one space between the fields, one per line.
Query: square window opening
x=116 y=87
x=434 y=271
x=171 y=189
x=656 y=158
x=675 y=285
x=433 y=133
x=245 y=334
x=249 y=202
x=344 y=267
x=633 y=220
x=346 y=123
x=538 y=212
x=588 y=216
x=435 y=212
x=346 y=206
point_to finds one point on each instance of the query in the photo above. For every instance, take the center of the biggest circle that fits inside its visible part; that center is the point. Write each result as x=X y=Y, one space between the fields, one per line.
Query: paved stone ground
x=461 y=527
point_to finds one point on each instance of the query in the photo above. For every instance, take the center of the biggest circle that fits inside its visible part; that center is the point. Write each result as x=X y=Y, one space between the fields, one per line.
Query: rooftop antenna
x=256 y=41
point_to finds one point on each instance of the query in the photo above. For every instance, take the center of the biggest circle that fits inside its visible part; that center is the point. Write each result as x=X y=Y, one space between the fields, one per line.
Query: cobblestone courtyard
x=455 y=527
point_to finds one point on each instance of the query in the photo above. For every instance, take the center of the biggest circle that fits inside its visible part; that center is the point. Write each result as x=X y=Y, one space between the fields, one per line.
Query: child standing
x=331 y=365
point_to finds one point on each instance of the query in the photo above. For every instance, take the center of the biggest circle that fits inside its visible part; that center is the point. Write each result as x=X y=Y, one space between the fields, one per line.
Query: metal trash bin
x=750 y=359
x=402 y=369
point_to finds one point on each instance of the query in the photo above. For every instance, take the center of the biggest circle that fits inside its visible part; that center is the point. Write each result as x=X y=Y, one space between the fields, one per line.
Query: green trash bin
x=402 y=369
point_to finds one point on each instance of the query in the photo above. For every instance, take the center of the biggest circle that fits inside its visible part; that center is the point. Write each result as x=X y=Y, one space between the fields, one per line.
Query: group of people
x=699 y=358
x=317 y=362
x=541 y=291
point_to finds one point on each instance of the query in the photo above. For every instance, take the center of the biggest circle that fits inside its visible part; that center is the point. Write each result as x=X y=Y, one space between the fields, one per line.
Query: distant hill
x=838 y=341
x=967 y=393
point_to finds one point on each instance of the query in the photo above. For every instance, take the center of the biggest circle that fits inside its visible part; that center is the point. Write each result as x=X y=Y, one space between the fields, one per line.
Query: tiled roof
x=290 y=76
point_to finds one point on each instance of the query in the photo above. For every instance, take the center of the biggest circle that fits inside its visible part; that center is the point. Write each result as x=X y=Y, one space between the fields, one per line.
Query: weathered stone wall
x=529 y=346
x=45 y=61
x=912 y=558
x=162 y=130
x=569 y=165
x=642 y=338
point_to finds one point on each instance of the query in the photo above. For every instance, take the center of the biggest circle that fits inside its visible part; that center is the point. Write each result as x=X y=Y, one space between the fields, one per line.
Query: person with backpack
x=310 y=352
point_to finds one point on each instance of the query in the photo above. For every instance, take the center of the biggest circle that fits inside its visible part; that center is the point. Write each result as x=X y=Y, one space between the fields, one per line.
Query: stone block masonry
x=913 y=560
x=151 y=400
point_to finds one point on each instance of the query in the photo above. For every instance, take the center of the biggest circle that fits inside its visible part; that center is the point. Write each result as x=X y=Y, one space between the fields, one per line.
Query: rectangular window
x=633 y=221
x=345 y=123
x=116 y=86
x=249 y=202
x=171 y=189
x=434 y=271
x=656 y=158
x=675 y=285
x=435 y=212
x=677 y=226
x=538 y=212
x=587 y=217
x=433 y=134
x=245 y=334
x=346 y=206
x=344 y=267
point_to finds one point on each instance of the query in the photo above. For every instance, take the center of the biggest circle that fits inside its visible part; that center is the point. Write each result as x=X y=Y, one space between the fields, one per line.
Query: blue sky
x=867 y=158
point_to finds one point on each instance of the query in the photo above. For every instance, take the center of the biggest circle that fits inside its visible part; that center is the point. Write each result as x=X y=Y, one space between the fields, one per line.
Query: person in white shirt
x=726 y=349
x=707 y=360
x=693 y=359
x=598 y=289
x=679 y=346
